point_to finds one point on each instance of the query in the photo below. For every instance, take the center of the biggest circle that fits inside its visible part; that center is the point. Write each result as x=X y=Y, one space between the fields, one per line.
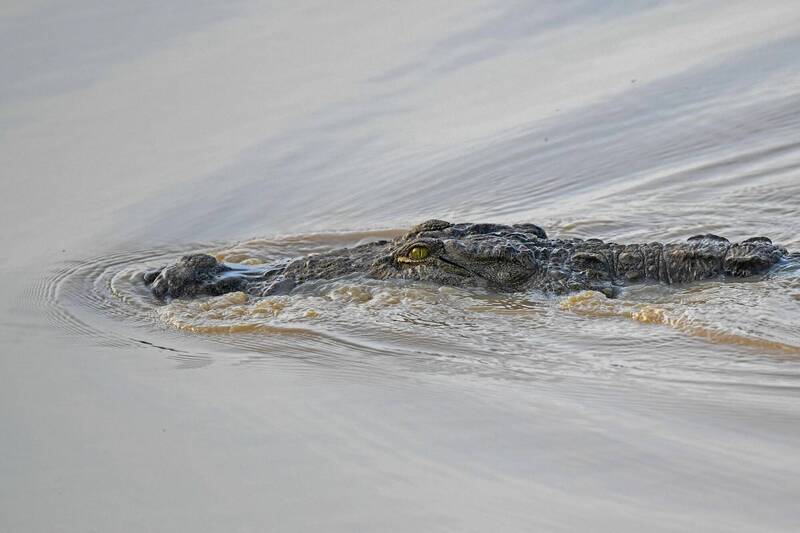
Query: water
x=130 y=135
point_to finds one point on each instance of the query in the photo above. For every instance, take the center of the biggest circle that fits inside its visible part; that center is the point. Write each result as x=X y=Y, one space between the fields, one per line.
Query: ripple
x=704 y=333
x=103 y=300
x=679 y=316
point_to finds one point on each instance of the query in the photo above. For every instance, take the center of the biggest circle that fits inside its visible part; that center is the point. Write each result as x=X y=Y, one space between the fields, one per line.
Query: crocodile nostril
x=151 y=275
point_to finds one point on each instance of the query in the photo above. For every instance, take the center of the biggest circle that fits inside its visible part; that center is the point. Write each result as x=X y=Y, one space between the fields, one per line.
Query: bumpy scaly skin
x=498 y=257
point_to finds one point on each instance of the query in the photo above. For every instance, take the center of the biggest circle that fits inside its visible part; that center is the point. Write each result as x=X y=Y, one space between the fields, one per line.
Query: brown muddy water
x=130 y=134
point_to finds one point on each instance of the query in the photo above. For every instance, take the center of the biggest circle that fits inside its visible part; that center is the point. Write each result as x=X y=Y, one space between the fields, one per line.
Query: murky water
x=258 y=134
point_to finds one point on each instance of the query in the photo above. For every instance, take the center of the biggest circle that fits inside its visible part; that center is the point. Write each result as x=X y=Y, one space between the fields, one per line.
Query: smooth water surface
x=131 y=134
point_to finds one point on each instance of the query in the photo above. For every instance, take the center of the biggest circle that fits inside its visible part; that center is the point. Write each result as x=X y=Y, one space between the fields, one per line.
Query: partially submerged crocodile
x=519 y=257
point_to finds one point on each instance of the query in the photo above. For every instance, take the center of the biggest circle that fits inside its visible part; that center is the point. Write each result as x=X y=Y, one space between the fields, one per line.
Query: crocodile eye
x=418 y=253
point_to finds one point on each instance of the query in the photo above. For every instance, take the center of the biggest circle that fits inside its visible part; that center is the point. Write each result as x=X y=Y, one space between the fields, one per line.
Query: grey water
x=131 y=133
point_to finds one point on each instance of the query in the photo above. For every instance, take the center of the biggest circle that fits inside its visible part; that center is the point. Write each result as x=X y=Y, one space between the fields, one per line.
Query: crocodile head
x=465 y=255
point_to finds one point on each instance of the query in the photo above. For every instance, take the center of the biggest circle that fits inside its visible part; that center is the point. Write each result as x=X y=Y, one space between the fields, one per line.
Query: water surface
x=131 y=135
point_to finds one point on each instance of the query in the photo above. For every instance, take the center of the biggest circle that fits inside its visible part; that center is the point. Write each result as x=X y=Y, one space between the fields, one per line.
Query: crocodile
x=505 y=258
